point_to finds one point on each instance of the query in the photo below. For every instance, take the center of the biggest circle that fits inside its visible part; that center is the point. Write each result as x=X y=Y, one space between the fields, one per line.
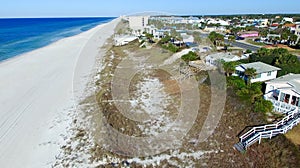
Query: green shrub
x=191 y=56
x=236 y=82
x=262 y=105
x=171 y=47
x=251 y=92
x=248 y=51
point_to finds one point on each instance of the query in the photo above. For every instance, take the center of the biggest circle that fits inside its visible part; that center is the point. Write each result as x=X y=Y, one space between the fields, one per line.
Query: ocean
x=21 y=35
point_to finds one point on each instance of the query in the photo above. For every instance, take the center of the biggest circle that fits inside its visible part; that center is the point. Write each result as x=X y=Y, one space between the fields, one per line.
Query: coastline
x=38 y=96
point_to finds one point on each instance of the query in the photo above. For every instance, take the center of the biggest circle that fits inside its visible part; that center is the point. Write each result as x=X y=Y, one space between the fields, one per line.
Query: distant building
x=214 y=28
x=287 y=19
x=248 y=34
x=263 y=22
x=297 y=30
x=214 y=59
x=218 y=21
x=291 y=27
x=274 y=26
x=187 y=38
x=138 y=24
x=264 y=72
x=284 y=92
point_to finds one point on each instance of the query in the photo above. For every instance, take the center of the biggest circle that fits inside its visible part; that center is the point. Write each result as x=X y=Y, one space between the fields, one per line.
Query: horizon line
x=36 y=17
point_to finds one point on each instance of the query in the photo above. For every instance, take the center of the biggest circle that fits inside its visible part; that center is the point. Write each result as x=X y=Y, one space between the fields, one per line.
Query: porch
x=283 y=101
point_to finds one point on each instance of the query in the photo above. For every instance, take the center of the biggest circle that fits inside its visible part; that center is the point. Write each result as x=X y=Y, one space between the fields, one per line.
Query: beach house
x=264 y=72
x=284 y=92
x=215 y=59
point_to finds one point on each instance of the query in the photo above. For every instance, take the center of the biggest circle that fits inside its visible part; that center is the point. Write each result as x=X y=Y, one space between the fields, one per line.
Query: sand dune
x=36 y=95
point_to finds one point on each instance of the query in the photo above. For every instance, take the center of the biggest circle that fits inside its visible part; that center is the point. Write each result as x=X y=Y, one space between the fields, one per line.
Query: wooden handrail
x=270 y=130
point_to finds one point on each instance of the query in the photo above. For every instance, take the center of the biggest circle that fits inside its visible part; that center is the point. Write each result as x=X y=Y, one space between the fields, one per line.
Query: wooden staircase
x=268 y=131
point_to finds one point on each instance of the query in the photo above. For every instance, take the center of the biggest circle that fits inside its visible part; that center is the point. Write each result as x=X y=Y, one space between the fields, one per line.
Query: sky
x=68 y=8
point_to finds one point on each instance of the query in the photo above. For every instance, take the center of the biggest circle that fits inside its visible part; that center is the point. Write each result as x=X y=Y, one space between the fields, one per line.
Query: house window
x=287 y=98
x=282 y=95
x=293 y=100
x=269 y=73
x=276 y=94
x=258 y=76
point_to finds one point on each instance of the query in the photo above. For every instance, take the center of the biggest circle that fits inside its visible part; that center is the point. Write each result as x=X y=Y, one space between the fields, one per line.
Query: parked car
x=239 y=38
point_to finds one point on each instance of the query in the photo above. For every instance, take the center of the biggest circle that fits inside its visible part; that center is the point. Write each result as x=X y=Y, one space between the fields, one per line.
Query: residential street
x=242 y=45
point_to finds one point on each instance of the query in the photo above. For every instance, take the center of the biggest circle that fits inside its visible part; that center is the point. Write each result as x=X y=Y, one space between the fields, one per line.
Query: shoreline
x=29 y=52
x=38 y=98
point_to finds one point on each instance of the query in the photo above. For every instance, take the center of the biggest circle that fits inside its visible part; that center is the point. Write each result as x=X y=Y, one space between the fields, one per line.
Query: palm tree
x=293 y=38
x=264 y=52
x=231 y=38
x=229 y=68
x=250 y=73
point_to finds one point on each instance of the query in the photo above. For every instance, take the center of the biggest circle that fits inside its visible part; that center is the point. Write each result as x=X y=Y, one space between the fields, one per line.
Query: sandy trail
x=37 y=94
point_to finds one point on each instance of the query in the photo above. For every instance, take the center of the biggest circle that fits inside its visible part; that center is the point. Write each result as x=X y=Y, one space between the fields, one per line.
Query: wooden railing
x=270 y=130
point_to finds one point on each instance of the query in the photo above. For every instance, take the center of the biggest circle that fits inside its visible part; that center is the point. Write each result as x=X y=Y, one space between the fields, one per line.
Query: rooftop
x=291 y=79
x=249 y=32
x=260 y=67
x=290 y=25
x=218 y=56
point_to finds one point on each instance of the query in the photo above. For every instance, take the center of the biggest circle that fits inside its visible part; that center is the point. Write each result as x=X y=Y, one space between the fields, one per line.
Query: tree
x=250 y=73
x=235 y=30
x=236 y=82
x=149 y=36
x=293 y=38
x=263 y=32
x=248 y=51
x=215 y=37
x=231 y=38
x=250 y=93
x=166 y=39
x=229 y=68
x=262 y=105
x=263 y=52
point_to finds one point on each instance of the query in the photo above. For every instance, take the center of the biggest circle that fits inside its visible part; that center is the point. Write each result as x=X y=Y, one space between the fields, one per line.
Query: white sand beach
x=36 y=95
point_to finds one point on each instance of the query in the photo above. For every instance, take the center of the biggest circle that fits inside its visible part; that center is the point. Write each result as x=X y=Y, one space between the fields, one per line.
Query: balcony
x=281 y=107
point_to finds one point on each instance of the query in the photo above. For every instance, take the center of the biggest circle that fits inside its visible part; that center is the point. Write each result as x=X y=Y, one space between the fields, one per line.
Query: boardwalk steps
x=240 y=147
x=268 y=131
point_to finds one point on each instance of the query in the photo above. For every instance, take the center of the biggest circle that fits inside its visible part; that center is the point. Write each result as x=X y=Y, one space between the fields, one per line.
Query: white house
x=287 y=19
x=284 y=93
x=187 y=38
x=215 y=28
x=123 y=40
x=218 y=21
x=264 y=72
x=214 y=59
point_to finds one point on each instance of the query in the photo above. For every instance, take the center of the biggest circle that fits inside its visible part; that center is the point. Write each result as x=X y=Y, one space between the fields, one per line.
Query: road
x=242 y=45
x=237 y=44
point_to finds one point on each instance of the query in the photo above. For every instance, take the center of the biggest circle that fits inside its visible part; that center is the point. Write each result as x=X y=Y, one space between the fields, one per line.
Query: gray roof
x=260 y=67
x=292 y=79
x=223 y=56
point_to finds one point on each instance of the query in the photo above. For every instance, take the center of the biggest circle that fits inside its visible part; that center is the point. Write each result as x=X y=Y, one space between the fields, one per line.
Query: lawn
x=294 y=135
